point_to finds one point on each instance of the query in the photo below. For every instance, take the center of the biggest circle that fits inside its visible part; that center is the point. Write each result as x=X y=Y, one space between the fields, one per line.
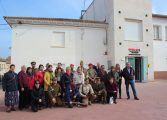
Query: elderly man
x=87 y=93
x=23 y=88
x=100 y=90
x=129 y=76
x=91 y=74
x=54 y=91
x=66 y=80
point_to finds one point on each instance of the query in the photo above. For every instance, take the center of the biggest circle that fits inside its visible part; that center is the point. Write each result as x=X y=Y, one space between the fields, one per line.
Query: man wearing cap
x=72 y=68
x=91 y=73
x=100 y=90
x=54 y=91
x=87 y=93
x=59 y=66
x=33 y=66
x=84 y=70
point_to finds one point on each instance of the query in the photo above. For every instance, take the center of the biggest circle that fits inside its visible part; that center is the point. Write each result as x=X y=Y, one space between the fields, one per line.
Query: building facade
x=129 y=33
x=57 y=40
x=110 y=32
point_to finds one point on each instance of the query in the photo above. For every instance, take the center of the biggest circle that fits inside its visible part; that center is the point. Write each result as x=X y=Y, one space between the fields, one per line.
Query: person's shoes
x=120 y=97
x=8 y=110
x=115 y=102
x=40 y=108
x=70 y=106
x=90 y=103
x=136 y=98
x=13 y=109
x=128 y=98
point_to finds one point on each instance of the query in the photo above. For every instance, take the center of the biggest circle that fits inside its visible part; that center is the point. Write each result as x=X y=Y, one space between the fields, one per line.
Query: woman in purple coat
x=111 y=90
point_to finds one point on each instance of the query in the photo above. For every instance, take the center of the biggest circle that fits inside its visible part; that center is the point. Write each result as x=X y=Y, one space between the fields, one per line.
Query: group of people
x=38 y=88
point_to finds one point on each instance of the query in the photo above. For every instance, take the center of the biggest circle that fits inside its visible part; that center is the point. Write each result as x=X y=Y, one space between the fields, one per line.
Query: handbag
x=111 y=101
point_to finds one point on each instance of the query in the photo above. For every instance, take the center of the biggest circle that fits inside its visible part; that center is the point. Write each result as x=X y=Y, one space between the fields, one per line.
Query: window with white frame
x=157 y=32
x=166 y=33
x=58 y=39
x=133 y=30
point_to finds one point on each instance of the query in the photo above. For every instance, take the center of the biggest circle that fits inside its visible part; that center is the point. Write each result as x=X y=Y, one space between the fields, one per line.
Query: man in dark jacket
x=129 y=76
x=23 y=88
x=66 y=80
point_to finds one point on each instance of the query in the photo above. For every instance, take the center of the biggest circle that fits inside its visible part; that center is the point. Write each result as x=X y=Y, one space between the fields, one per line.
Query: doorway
x=140 y=65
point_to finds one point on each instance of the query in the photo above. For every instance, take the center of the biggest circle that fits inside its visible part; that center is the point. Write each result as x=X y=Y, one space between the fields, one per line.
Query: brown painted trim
x=160 y=75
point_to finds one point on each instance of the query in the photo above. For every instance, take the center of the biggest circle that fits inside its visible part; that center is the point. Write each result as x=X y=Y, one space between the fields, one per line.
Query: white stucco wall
x=32 y=43
x=117 y=11
x=160 y=47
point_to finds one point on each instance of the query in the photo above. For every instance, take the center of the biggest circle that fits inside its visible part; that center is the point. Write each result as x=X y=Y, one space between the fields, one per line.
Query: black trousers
x=47 y=100
x=114 y=95
x=23 y=98
x=119 y=87
x=35 y=105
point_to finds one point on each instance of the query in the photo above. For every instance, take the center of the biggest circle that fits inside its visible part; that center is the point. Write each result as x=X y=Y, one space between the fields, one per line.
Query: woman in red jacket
x=31 y=80
x=39 y=75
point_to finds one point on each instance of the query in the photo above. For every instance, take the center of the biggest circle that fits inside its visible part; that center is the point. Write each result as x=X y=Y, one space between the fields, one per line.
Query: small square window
x=58 y=39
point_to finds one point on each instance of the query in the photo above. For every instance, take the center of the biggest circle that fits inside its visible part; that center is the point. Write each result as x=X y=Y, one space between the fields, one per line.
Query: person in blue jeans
x=129 y=76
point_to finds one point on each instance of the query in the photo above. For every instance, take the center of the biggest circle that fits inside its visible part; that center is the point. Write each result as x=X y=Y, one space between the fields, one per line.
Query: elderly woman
x=10 y=86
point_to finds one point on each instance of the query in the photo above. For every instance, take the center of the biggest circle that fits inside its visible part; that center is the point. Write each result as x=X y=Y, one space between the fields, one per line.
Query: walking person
x=10 y=87
x=129 y=76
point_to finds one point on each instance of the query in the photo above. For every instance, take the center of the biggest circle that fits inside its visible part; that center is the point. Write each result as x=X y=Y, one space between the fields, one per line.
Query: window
x=157 y=32
x=58 y=39
x=166 y=33
x=133 y=30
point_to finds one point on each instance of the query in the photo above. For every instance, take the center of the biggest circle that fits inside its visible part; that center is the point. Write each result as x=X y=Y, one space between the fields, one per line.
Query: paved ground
x=152 y=106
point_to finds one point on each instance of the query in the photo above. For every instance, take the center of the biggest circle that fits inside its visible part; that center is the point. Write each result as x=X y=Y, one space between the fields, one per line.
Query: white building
x=112 y=31
x=129 y=32
x=160 y=46
x=57 y=40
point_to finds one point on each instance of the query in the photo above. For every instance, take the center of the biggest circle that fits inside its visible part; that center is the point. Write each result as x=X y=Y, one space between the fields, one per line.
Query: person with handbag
x=129 y=76
x=10 y=87
x=111 y=90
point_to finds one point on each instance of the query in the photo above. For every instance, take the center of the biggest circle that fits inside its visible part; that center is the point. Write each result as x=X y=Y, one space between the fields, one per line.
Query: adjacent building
x=4 y=66
x=160 y=46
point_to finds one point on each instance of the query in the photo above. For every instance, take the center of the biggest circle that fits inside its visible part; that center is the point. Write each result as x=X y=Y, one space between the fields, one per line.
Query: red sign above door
x=134 y=50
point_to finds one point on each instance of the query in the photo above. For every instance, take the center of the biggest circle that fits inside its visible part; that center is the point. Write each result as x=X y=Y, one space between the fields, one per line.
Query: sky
x=47 y=8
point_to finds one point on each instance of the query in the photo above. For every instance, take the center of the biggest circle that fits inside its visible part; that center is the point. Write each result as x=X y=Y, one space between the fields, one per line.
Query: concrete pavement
x=151 y=106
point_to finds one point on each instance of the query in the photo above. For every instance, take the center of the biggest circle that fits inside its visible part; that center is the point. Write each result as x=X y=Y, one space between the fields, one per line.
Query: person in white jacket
x=78 y=77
